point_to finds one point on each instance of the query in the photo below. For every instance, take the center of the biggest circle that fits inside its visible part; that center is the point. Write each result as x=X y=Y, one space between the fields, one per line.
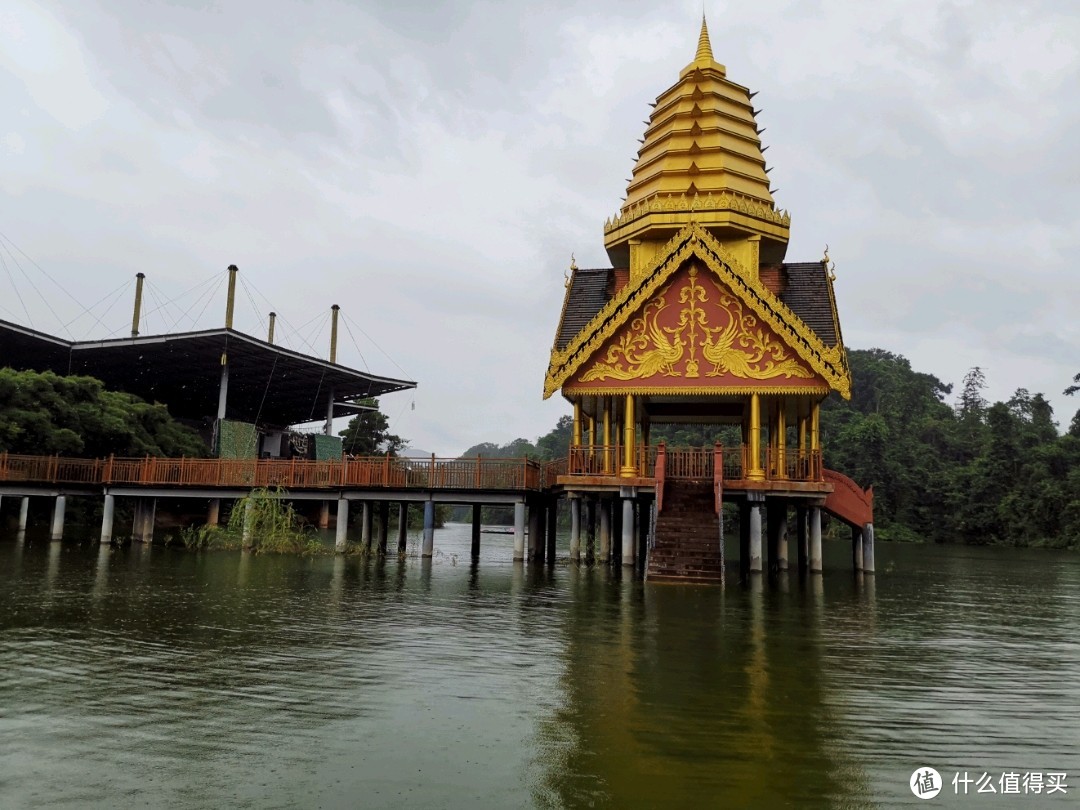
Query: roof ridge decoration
x=694 y=240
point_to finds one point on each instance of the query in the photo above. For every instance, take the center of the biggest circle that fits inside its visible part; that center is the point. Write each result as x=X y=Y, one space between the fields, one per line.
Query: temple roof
x=701 y=159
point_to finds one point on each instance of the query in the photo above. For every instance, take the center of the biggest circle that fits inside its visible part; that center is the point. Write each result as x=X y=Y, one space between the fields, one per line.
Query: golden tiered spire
x=700 y=160
x=704 y=47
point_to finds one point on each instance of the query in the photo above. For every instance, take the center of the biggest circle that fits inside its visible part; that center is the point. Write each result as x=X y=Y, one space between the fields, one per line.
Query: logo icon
x=925 y=783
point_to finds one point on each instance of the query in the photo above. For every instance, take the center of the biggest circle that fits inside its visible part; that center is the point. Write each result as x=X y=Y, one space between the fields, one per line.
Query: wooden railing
x=372 y=471
x=660 y=474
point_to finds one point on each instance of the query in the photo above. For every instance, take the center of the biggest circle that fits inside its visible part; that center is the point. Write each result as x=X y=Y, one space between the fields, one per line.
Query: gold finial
x=704 y=48
x=573 y=262
x=829 y=268
x=825 y=258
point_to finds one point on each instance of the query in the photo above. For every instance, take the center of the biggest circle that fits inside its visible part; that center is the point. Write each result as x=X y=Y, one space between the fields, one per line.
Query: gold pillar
x=609 y=460
x=815 y=426
x=781 y=438
x=577 y=423
x=803 y=411
x=755 y=473
x=629 y=468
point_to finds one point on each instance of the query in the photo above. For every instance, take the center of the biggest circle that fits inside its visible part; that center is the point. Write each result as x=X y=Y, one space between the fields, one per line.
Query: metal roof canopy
x=267 y=383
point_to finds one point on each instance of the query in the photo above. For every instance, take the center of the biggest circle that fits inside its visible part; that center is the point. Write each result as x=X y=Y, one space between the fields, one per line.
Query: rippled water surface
x=151 y=677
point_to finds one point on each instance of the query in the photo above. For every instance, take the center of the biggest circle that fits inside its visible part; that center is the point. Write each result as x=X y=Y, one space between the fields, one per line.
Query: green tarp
x=237 y=440
x=327 y=448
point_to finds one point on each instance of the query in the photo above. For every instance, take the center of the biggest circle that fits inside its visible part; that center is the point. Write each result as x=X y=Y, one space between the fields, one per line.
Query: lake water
x=153 y=677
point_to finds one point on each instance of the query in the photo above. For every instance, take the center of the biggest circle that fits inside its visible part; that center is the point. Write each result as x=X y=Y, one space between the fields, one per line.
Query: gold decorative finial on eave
x=704 y=47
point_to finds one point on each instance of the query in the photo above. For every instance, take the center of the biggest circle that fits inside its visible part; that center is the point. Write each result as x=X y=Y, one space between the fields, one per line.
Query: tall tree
x=368 y=433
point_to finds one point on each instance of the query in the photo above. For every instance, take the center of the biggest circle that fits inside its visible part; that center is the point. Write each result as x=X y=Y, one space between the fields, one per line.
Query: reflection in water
x=166 y=677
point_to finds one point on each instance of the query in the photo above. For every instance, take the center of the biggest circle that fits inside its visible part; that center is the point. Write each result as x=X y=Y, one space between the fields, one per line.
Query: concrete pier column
x=519 y=532
x=755 y=539
x=476 y=515
x=868 y=548
x=590 y=530
x=815 y=539
x=801 y=538
x=782 y=543
x=605 y=530
x=402 y=527
x=107 y=512
x=744 y=538
x=775 y=527
x=341 y=529
x=249 y=517
x=24 y=513
x=856 y=549
x=575 y=529
x=213 y=512
x=57 y=530
x=384 y=525
x=324 y=515
x=429 y=529
x=149 y=520
x=365 y=525
x=628 y=556
x=536 y=540
x=552 y=529
x=641 y=545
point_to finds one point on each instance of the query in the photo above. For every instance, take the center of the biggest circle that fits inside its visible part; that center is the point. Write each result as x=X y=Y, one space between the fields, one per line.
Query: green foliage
x=368 y=433
x=275 y=528
x=42 y=413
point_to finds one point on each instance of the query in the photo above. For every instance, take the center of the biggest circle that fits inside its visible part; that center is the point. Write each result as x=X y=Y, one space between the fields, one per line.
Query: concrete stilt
x=755 y=539
x=552 y=529
x=249 y=518
x=744 y=538
x=782 y=543
x=149 y=520
x=775 y=520
x=815 y=539
x=137 y=521
x=213 y=512
x=590 y=530
x=429 y=529
x=57 y=530
x=24 y=514
x=341 y=528
x=801 y=539
x=605 y=530
x=575 y=529
x=402 y=527
x=868 y=548
x=628 y=556
x=641 y=544
x=384 y=525
x=477 y=510
x=519 y=532
x=365 y=525
x=856 y=549
x=107 y=513
x=324 y=515
x=536 y=541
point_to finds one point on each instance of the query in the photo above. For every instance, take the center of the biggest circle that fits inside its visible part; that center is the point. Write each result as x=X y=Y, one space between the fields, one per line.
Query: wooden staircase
x=687 y=547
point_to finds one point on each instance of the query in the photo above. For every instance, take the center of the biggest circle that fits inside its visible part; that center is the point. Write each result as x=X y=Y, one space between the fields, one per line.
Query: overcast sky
x=431 y=169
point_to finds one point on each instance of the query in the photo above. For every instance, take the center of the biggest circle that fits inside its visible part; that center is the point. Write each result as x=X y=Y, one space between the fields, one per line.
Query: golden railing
x=699 y=463
x=607 y=460
x=369 y=471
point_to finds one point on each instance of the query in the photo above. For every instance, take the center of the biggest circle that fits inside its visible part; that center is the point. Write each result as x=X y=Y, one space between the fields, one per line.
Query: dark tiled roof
x=808 y=295
x=588 y=292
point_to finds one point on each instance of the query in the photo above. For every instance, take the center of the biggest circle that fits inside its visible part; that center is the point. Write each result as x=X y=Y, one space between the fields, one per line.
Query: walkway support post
x=341 y=530
x=57 y=531
x=815 y=539
x=384 y=525
x=107 y=512
x=477 y=511
x=149 y=520
x=801 y=539
x=402 y=527
x=429 y=529
x=24 y=514
x=213 y=512
x=249 y=517
x=519 y=531
x=755 y=538
x=590 y=530
x=575 y=528
x=868 y=548
x=775 y=527
x=552 y=528
x=605 y=530
x=365 y=525
x=628 y=532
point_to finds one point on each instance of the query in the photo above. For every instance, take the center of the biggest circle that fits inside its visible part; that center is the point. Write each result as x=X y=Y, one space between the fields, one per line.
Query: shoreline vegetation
x=969 y=472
